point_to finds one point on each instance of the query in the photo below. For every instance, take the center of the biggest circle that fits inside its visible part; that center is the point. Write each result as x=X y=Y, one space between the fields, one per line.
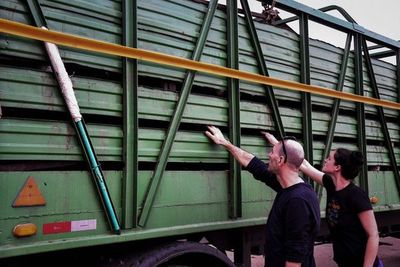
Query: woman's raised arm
x=311 y=172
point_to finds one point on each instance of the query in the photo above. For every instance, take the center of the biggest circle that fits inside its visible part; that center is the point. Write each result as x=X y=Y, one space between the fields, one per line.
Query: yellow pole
x=70 y=40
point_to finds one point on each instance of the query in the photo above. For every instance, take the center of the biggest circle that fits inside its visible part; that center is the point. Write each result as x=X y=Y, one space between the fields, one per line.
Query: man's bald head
x=295 y=152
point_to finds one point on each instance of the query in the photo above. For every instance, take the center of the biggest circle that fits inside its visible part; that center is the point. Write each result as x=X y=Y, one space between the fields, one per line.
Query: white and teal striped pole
x=72 y=104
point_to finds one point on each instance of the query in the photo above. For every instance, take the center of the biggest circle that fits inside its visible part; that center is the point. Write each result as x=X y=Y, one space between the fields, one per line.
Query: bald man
x=294 y=220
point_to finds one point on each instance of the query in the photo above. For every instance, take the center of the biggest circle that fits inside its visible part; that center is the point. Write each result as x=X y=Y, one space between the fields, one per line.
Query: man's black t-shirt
x=349 y=238
x=293 y=222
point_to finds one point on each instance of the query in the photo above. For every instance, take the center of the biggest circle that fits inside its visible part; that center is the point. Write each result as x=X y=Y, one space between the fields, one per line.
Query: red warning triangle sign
x=29 y=195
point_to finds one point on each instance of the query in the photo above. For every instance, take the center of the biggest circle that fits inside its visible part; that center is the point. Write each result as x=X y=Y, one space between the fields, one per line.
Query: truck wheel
x=179 y=254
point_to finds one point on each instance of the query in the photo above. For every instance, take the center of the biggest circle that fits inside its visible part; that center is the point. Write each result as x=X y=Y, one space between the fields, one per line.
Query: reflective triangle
x=29 y=195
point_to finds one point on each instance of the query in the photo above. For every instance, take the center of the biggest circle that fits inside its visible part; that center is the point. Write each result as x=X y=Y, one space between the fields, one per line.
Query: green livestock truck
x=104 y=104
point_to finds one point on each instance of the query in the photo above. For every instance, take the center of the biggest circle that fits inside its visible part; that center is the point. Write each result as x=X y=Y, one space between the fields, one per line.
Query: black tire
x=182 y=254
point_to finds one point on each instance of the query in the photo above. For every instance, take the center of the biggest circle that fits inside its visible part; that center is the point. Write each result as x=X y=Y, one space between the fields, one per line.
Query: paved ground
x=389 y=252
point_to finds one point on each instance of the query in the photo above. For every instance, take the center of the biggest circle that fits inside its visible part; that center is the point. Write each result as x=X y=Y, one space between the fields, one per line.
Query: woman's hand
x=271 y=139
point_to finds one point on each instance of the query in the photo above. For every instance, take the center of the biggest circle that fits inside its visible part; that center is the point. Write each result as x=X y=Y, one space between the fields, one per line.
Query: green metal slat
x=36 y=89
x=276 y=59
x=130 y=118
x=385 y=130
x=360 y=110
x=174 y=125
x=271 y=100
x=159 y=105
x=55 y=140
x=305 y=78
x=52 y=141
x=235 y=179
x=57 y=20
x=107 y=11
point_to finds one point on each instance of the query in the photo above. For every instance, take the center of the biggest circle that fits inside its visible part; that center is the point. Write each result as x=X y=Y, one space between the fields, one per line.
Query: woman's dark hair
x=350 y=162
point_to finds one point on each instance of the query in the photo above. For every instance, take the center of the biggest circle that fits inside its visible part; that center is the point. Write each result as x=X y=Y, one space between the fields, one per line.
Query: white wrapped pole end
x=63 y=79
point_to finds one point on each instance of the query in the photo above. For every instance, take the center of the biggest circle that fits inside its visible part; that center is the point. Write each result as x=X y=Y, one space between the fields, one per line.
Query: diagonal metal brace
x=176 y=119
x=271 y=100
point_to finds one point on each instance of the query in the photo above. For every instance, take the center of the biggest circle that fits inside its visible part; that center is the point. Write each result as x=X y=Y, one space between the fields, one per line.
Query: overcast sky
x=379 y=16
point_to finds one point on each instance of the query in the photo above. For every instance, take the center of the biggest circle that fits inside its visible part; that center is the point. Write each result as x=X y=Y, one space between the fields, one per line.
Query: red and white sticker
x=70 y=226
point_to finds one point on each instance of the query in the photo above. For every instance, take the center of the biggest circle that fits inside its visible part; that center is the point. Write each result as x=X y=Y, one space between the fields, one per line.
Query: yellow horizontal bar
x=65 y=39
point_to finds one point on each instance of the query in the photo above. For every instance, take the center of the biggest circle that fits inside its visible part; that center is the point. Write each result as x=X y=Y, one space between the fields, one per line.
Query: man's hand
x=271 y=139
x=216 y=135
x=239 y=154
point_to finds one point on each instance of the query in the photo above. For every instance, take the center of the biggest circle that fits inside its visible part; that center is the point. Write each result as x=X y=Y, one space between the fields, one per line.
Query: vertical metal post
x=176 y=117
x=398 y=75
x=242 y=248
x=306 y=97
x=360 y=109
x=269 y=91
x=130 y=117
x=235 y=192
x=398 y=83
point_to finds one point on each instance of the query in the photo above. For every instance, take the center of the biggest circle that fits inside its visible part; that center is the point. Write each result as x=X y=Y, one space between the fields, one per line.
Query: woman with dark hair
x=349 y=213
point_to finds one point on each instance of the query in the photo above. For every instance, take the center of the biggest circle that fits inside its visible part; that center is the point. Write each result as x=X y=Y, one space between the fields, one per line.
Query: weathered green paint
x=87 y=147
x=130 y=118
x=198 y=204
x=336 y=105
x=176 y=118
x=103 y=239
x=235 y=192
x=269 y=91
x=335 y=109
x=398 y=75
x=376 y=94
x=36 y=140
x=70 y=195
x=36 y=89
x=47 y=140
x=282 y=57
x=187 y=201
x=36 y=12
